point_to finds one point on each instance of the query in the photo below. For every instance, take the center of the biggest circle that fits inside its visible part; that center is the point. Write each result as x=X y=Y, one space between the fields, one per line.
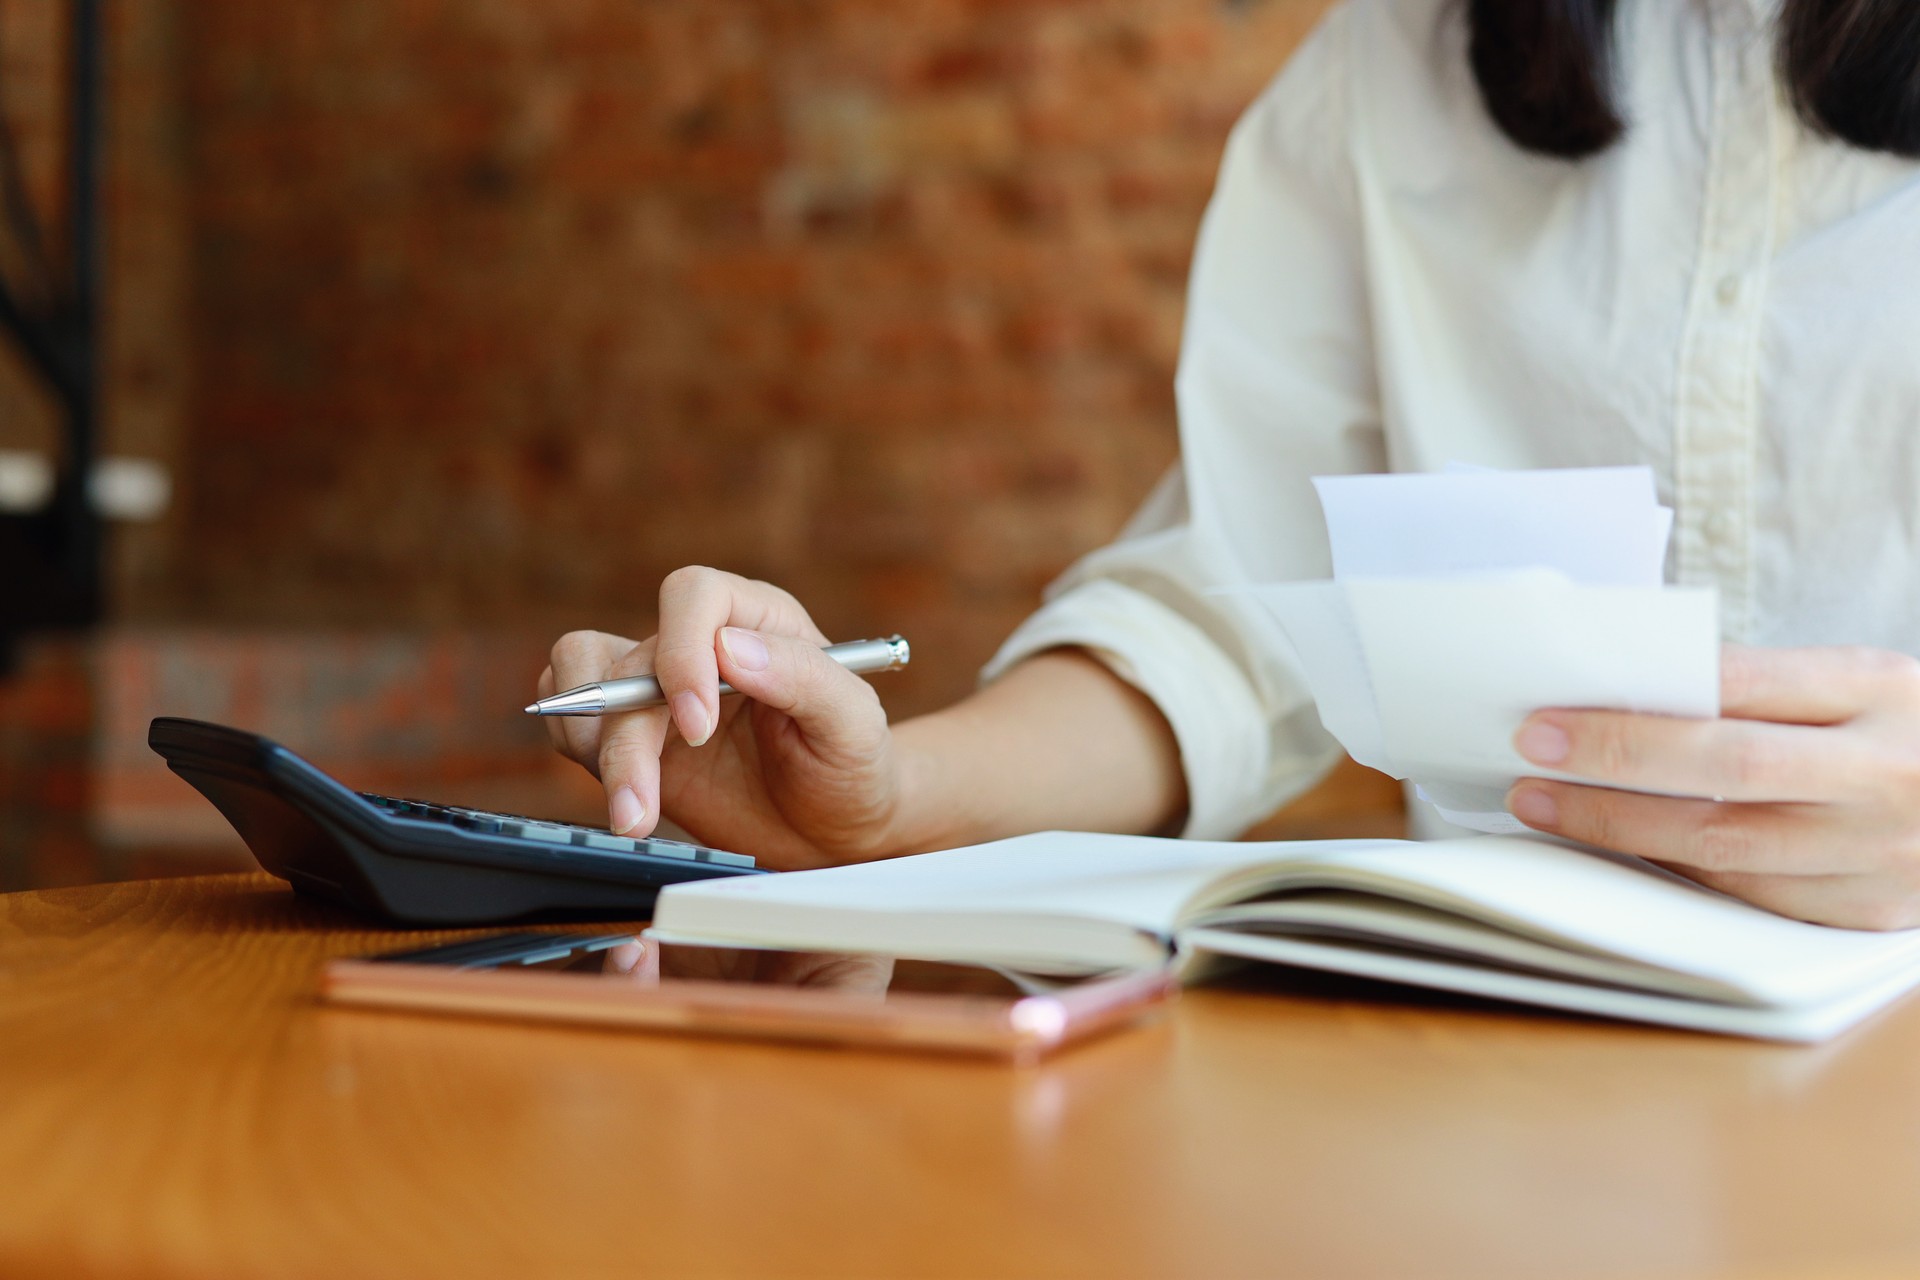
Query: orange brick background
x=505 y=310
x=459 y=325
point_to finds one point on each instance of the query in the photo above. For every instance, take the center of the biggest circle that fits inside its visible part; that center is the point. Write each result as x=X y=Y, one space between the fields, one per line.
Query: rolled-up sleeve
x=1218 y=719
x=1275 y=386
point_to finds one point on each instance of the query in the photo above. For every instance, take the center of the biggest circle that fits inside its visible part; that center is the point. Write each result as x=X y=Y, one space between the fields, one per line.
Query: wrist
x=927 y=813
x=920 y=818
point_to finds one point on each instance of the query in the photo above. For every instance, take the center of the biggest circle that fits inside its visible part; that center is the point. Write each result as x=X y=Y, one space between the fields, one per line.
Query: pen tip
x=533 y=708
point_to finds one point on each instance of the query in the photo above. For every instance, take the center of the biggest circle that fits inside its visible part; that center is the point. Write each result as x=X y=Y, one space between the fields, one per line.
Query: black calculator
x=419 y=863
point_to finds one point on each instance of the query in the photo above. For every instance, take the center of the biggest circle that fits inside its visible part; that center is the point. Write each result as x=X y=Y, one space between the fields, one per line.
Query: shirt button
x=1728 y=290
x=1719 y=526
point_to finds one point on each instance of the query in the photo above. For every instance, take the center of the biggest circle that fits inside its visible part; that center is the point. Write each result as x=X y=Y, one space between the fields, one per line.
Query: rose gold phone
x=619 y=980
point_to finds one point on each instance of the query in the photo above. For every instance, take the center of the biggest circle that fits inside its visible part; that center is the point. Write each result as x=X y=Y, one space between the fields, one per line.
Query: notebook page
x=1062 y=894
x=1393 y=924
x=1806 y=1023
x=1639 y=914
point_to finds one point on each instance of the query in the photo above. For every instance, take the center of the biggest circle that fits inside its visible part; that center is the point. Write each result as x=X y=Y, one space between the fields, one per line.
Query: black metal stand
x=50 y=560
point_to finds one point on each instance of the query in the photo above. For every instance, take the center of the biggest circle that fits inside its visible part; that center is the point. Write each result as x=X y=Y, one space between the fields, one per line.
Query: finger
x=1746 y=839
x=582 y=657
x=694 y=604
x=1825 y=685
x=630 y=747
x=636 y=658
x=1728 y=759
x=637 y=961
x=837 y=711
x=1843 y=901
x=629 y=768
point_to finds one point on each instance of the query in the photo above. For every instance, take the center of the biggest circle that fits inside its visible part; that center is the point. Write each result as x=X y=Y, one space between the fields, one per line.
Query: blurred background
x=432 y=330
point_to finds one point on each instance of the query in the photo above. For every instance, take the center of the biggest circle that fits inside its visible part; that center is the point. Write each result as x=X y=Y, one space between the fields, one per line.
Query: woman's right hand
x=801 y=770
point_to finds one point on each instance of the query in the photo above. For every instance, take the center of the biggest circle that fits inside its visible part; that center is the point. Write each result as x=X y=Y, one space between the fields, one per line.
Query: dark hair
x=1545 y=71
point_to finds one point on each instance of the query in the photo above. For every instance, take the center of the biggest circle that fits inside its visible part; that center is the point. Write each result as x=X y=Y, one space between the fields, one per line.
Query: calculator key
x=547 y=831
x=602 y=840
x=487 y=822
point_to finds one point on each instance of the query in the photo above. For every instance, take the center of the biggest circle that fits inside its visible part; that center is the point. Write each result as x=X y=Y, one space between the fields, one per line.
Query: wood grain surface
x=173 y=1102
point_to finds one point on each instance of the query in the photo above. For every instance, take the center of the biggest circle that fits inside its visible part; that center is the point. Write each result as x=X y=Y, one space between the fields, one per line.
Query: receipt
x=1463 y=601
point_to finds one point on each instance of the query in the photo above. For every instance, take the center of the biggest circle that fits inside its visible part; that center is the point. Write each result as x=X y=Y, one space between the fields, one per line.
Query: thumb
x=833 y=707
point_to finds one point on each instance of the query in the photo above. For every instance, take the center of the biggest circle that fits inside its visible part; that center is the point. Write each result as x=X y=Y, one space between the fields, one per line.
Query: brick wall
x=480 y=318
x=506 y=309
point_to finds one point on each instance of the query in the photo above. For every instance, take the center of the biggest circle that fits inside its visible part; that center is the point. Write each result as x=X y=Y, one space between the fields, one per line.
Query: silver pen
x=609 y=696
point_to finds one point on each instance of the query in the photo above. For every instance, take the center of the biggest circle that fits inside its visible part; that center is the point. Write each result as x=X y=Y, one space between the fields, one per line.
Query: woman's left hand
x=1813 y=771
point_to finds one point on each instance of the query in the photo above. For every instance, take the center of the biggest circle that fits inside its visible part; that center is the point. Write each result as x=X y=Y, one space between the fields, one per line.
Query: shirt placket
x=1716 y=423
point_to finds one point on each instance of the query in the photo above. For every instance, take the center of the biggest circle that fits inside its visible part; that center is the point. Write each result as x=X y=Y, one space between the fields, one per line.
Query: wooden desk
x=176 y=1104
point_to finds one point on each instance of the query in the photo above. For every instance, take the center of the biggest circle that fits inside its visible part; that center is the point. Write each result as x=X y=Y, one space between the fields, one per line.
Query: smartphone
x=632 y=981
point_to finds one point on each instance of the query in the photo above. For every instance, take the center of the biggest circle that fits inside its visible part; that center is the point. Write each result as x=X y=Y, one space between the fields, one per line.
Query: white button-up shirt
x=1384 y=282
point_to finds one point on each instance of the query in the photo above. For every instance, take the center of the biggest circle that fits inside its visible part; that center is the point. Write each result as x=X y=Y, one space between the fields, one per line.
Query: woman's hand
x=800 y=771
x=1813 y=773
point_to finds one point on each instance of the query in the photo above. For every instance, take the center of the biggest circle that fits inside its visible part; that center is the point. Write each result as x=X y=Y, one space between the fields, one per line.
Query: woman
x=1520 y=233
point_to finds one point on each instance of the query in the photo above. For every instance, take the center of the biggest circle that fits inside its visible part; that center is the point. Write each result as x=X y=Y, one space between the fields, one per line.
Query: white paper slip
x=1602 y=525
x=1456 y=666
x=1316 y=618
x=1429 y=679
x=1462 y=602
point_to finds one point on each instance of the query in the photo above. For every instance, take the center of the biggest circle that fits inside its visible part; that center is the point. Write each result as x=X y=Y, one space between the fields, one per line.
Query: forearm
x=1059 y=741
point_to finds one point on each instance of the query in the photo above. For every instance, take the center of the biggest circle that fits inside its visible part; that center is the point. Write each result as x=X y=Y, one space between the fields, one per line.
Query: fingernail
x=624 y=811
x=1543 y=743
x=625 y=958
x=691 y=715
x=745 y=648
x=1533 y=806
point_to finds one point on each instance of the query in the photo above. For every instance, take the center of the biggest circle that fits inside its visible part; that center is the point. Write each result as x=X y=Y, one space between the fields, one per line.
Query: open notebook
x=1505 y=917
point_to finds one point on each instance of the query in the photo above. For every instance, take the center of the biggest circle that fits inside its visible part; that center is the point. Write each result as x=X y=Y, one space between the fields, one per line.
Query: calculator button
x=485 y=822
x=601 y=840
x=720 y=858
x=546 y=831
